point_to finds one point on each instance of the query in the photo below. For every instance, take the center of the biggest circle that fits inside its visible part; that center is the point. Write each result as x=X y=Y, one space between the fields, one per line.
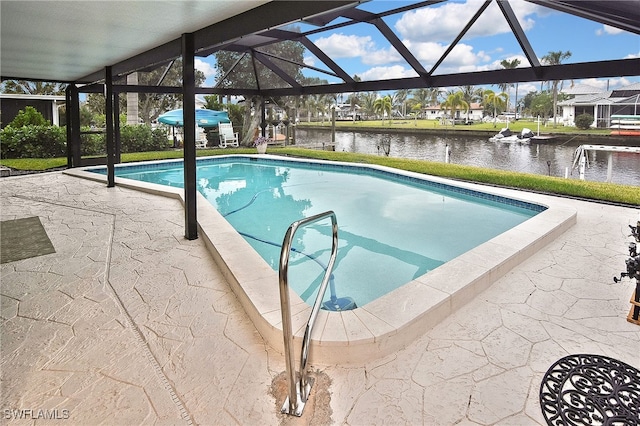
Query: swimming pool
x=391 y=229
x=393 y=320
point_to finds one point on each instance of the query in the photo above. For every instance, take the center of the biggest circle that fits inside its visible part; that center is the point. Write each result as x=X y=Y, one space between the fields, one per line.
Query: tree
x=150 y=105
x=383 y=106
x=471 y=94
x=455 y=101
x=424 y=97
x=510 y=64
x=368 y=102
x=241 y=70
x=213 y=102
x=427 y=96
x=495 y=101
x=541 y=105
x=29 y=116
x=555 y=58
x=400 y=98
x=32 y=87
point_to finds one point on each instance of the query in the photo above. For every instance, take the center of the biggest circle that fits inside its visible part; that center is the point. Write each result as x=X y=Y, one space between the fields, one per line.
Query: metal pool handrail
x=299 y=391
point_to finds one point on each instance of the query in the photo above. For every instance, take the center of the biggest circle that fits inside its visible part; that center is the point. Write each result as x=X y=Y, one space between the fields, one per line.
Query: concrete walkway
x=129 y=323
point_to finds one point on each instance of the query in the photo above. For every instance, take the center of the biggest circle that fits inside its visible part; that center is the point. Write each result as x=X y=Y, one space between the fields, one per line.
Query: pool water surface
x=392 y=229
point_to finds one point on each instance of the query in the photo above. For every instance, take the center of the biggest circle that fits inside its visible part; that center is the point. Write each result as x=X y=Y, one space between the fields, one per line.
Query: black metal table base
x=590 y=390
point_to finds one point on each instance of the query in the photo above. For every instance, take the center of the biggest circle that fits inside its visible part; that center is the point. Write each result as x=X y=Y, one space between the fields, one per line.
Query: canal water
x=551 y=158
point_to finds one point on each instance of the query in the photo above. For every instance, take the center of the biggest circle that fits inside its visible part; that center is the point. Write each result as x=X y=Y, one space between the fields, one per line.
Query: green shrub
x=92 y=144
x=140 y=138
x=33 y=142
x=29 y=116
x=584 y=121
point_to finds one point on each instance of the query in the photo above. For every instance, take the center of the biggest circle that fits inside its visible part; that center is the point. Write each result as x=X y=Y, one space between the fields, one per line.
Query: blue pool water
x=392 y=228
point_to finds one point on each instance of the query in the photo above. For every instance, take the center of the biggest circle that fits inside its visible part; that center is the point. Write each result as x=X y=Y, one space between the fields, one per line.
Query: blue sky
x=360 y=49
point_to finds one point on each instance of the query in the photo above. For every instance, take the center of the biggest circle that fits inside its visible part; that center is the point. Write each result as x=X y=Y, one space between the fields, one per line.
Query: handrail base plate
x=300 y=405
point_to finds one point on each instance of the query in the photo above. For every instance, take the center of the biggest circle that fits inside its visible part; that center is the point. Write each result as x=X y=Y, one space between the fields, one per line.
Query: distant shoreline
x=556 y=137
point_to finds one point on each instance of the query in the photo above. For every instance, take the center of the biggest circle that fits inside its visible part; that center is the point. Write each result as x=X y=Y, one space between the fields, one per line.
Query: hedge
x=33 y=142
x=51 y=141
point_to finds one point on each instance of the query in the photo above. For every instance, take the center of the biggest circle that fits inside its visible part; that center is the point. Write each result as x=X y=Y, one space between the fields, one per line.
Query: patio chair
x=201 y=143
x=227 y=136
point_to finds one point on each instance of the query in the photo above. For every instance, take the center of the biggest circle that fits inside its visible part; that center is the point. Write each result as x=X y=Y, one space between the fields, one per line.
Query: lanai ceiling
x=74 y=41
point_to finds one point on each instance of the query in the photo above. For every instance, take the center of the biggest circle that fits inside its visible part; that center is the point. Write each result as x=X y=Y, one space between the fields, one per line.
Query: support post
x=609 y=166
x=263 y=122
x=69 y=123
x=108 y=97
x=333 y=124
x=116 y=126
x=74 y=152
x=189 y=138
x=132 y=100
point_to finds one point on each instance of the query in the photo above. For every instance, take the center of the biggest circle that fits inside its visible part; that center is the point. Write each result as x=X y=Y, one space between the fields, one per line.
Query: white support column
x=55 y=113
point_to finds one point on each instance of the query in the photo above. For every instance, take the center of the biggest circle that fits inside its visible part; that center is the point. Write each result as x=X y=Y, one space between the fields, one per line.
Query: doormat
x=23 y=239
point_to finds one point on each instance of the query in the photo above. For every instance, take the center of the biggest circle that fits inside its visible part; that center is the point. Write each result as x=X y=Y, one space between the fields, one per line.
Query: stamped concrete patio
x=129 y=323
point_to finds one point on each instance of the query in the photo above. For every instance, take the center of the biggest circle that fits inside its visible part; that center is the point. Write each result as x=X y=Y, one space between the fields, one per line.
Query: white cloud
x=608 y=30
x=524 y=62
x=461 y=59
x=339 y=45
x=444 y=23
x=632 y=55
x=309 y=60
x=425 y=52
x=382 y=56
x=603 y=83
x=387 y=73
x=345 y=46
x=524 y=88
x=208 y=69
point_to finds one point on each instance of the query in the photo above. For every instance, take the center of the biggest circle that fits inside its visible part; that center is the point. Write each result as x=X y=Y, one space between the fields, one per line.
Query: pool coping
x=388 y=323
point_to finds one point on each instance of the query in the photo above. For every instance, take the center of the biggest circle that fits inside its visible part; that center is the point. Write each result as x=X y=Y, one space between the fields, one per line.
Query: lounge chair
x=227 y=136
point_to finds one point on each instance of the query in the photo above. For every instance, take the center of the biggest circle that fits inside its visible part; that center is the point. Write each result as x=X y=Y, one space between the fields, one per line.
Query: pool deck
x=130 y=323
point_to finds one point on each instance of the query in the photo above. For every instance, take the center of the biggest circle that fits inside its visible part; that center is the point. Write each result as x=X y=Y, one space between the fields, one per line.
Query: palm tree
x=555 y=58
x=354 y=99
x=426 y=96
x=454 y=102
x=368 y=100
x=510 y=64
x=471 y=94
x=382 y=106
x=497 y=101
x=400 y=98
x=32 y=87
x=419 y=98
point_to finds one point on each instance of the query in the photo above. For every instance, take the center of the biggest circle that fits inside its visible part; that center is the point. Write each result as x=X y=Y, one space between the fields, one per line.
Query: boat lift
x=580 y=157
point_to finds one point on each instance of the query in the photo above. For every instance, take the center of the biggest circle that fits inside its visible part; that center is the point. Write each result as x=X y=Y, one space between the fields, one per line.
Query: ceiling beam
x=454 y=43
x=602 y=69
x=326 y=60
x=276 y=69
x=518 y=32
x=624 y=15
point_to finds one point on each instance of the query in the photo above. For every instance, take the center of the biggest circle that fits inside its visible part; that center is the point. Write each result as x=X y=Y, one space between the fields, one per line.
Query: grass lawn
x=409 y=123
x=600 y=191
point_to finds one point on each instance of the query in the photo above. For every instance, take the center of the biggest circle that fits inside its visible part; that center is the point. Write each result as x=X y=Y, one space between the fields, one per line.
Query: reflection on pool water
x=392 y=228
